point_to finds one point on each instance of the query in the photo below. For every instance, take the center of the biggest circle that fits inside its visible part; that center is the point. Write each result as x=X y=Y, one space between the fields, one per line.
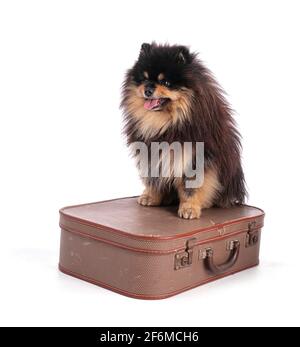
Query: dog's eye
x=165 y=83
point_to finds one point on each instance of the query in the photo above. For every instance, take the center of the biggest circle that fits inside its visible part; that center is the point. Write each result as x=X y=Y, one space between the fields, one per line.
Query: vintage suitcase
x=149 y=252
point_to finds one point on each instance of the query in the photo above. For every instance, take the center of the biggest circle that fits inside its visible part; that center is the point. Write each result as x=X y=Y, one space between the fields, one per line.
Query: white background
x=61 y=67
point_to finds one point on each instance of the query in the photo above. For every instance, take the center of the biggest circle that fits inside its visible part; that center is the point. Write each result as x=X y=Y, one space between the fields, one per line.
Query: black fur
x=210 y=118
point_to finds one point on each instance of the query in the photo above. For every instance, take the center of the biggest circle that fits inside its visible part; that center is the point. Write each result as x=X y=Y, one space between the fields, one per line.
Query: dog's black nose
x=148 y=92
x=149 y=89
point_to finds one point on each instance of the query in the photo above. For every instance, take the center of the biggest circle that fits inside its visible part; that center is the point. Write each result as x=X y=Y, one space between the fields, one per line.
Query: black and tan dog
x=170 y=96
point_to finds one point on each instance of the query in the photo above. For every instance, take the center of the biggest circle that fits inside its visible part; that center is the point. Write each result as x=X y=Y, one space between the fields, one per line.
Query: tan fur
x=146 y=75
x=150 y=197
x=157 y=122
x=191 y=205
x=161 y=76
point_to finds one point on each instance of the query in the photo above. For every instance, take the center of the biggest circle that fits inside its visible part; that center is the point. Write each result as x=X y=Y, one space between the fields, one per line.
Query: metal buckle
x=185 y=258
x=252 y=237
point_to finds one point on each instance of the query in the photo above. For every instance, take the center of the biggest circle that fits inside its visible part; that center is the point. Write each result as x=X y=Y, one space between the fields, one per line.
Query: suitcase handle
x=219 y=269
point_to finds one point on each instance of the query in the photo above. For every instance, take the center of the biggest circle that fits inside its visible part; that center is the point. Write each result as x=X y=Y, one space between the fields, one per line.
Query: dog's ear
x=145 y=48
x=183 y=55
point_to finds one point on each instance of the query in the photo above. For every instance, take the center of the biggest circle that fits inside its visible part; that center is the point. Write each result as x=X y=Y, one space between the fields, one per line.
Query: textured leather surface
x=133 y=250
x=128 y=216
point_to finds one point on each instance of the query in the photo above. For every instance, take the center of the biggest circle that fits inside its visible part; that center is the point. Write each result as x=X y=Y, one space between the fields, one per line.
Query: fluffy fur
x=191 y=108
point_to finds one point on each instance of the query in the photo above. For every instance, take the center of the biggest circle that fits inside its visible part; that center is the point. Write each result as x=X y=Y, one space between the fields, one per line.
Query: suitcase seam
x=152 y=251
x=147 y=296
x=159 y=238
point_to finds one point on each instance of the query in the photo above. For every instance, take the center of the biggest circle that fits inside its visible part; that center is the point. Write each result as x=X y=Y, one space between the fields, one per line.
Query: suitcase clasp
x=252 y=235
x=185 y=258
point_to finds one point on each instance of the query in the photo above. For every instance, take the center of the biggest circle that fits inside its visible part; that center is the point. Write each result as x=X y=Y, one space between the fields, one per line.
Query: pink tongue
x=151 y=104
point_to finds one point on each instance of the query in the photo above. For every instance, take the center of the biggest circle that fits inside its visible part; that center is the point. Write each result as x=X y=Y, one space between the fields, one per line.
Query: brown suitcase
x=149 y=252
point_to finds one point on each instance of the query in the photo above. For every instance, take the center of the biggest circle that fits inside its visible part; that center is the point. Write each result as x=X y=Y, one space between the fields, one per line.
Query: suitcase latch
x=185 y=258
x=252 y=235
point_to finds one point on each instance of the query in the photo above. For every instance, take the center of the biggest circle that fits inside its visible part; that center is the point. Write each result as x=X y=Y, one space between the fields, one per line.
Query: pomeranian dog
x=170 y=96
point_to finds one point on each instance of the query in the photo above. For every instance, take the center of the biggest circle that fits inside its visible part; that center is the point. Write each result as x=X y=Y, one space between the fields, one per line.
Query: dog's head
x=158 y=89
x=159 y=74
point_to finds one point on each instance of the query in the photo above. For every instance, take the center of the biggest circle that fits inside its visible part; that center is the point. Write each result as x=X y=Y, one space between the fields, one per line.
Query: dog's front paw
x=147 y=200
x=189 y=211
